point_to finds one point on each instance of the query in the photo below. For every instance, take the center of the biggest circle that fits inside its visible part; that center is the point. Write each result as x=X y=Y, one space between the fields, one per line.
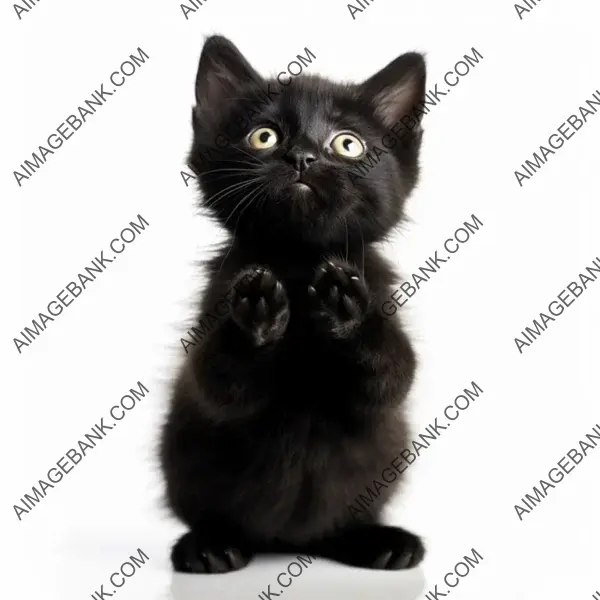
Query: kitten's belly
x=306 y=478
x=317 y=446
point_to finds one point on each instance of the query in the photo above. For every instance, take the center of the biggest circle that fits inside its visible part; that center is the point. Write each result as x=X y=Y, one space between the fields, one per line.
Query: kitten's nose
x=301 y=158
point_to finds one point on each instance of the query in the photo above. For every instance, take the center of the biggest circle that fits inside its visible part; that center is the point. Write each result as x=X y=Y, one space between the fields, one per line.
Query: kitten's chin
x=306 y=199
x=301 y=187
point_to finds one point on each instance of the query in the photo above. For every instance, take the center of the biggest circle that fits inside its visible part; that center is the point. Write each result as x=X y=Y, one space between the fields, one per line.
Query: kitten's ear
x=397 y=88
x=221 y=73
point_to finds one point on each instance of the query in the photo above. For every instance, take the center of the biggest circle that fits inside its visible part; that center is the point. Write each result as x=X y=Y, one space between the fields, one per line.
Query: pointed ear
x=397 y=88
x=221 y=73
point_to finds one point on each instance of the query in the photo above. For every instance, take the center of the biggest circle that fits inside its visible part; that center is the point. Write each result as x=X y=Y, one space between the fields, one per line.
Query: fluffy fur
x=292 y=405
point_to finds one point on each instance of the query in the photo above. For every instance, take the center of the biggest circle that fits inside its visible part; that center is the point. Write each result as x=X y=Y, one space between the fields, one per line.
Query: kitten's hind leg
x=373 y=546
x=211 y=548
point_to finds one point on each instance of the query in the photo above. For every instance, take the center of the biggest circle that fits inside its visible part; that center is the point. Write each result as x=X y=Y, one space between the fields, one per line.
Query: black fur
x=288 y=409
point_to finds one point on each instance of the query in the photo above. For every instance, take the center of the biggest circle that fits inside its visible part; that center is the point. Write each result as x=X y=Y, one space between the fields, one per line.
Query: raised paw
x=340 y=297
x=260 y=305
x=191 y=554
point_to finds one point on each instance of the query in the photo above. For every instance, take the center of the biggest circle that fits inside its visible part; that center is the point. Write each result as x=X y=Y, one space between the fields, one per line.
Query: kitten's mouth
x=301 y=185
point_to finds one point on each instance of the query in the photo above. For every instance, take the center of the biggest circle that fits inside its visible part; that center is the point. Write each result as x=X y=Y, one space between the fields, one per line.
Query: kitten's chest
x=297 y=290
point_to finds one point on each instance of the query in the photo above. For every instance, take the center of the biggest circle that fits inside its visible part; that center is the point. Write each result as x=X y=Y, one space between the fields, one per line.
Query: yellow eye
x=263 y=138
x=346 y=144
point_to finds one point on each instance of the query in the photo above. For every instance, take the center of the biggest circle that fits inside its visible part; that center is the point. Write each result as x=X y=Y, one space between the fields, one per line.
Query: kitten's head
x=303 y=160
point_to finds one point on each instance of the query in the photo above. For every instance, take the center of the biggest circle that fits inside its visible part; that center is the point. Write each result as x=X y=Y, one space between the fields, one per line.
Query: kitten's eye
x=346 y=144
x=263 y=138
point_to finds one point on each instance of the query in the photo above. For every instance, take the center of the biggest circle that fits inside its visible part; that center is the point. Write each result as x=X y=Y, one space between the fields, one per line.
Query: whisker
x=346 y=225
x=235 y=187
x=255 y=160
x=228 y=251
x=223 y=209
x=231 y=187
x=262 y=201
x=237 y=225
x=242 y=98
x=243 y=162
x=217 y=178
x=260 y=188
x=238 y=205
x=363 y=246
x=229 y=173
x=251 y=156
x=252 y=163
x=221 y=170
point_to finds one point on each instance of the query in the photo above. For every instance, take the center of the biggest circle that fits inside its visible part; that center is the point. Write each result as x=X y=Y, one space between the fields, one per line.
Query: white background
x=126 y=161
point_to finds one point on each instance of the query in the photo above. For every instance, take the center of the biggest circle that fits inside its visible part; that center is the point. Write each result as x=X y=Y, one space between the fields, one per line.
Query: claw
x=382 y=561
x=262 y=309
x=320 y=272
x=243 y=306
x=333 y=267
x=239 y=299
x=350 y=306
x=343 y=277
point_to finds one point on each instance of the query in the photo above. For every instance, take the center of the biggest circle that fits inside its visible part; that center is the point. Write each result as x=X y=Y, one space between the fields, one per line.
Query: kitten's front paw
x=340 y=297
x=260 y=305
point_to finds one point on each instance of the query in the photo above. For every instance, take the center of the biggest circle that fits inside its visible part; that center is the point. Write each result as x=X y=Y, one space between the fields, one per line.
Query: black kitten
x=291 y=406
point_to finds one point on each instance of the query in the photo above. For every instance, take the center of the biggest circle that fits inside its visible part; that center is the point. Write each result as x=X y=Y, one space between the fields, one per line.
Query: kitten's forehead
x=312 y=103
